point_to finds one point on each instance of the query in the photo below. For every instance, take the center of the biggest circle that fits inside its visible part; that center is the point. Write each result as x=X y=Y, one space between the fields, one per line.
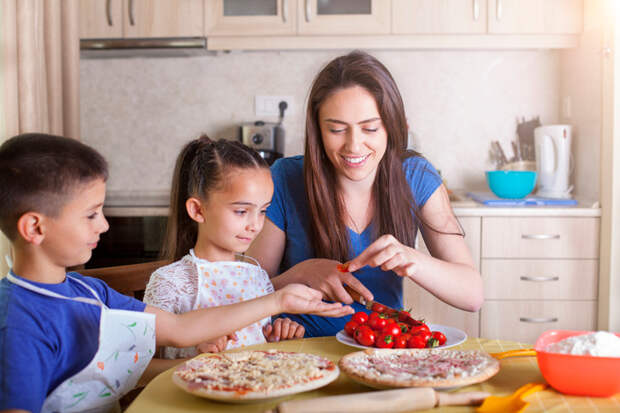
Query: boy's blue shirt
x=44 y=340
x=289 y=212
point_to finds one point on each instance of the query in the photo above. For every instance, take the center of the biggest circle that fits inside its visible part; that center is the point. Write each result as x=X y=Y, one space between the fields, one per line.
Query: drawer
x=540 y=279
x=540 y=237
x=524 y=321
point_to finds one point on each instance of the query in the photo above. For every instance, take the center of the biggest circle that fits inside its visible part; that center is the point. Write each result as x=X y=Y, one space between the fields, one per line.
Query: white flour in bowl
x=600 y=344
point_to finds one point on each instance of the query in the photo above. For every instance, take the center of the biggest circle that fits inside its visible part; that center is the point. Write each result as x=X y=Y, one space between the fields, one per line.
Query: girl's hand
x=323 y=275
x=297 y=298
x=283 y=329
x=389 y=254
x=217 y=345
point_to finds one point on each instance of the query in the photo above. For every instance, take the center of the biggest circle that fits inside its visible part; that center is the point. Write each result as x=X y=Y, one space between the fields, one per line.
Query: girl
x=219 y=196
x=357 y=175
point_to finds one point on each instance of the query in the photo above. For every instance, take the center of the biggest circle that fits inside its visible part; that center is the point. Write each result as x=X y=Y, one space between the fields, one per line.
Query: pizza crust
x=199 y=376
x=435 y=368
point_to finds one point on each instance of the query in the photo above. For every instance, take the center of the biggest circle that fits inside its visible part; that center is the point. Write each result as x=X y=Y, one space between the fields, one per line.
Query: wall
x=140 y=111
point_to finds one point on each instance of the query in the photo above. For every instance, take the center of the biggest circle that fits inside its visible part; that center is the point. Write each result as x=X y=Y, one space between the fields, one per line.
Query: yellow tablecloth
x=161 y=395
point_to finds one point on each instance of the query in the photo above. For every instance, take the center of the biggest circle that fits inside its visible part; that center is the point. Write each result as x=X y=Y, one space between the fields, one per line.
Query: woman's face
x=353 y=134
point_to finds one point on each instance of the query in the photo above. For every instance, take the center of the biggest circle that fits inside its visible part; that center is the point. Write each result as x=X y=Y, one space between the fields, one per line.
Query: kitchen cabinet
x=535 y=16
x=335 y=17
x=439 y=16
x=427 y=306
x=141 y=18
x=539 y=273
x=250 y=17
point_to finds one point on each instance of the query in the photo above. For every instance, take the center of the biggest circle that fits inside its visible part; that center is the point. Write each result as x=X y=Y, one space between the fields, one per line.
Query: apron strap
x=53 y=294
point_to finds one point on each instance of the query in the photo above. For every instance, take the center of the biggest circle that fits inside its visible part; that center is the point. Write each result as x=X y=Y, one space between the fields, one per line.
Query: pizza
x=253 y=375
x=438 y=368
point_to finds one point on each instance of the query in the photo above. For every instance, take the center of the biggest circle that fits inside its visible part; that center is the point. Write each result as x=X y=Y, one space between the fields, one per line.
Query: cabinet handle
x=108 y=12
x=538 y=320
x=498 y=12
x=284 y=10
x=476 y=10
x=540 y=236
x=308 y=11
x=540 y=279
x=132 y=22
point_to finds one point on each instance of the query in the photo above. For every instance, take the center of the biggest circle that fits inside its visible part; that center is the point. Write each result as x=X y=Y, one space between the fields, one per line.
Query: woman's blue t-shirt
x=289 y=212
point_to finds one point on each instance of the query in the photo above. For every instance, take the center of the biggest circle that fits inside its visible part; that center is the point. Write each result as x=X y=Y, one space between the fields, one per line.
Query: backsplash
x=139 y=112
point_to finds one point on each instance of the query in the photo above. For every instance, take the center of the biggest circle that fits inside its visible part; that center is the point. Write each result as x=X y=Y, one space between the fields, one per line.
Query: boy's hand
x=297 y=298
x=283 y=329
x=217 y=345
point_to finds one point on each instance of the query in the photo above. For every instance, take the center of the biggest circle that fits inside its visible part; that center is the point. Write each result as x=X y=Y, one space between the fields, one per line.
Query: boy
x=68 y=342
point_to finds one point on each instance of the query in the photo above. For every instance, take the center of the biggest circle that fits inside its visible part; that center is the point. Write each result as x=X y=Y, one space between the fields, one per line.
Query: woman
x=359 y=196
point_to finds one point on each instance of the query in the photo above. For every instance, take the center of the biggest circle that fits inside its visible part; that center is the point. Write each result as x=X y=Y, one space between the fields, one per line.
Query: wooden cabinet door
x=101 y=19
x=535 y=16
x=439 y=16
x=334 y=17
x=250 y=17
x=427 y=306
x=156 y=18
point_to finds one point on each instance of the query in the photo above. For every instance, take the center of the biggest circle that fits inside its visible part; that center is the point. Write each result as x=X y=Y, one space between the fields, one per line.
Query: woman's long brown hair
x=201 y=167
x=395 y=210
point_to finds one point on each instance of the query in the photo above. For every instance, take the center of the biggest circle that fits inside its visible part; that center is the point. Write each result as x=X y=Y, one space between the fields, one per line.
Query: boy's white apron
x=126 y=346
x=229 y=282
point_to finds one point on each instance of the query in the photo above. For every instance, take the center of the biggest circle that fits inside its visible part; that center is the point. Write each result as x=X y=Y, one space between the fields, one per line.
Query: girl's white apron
x=126 y=346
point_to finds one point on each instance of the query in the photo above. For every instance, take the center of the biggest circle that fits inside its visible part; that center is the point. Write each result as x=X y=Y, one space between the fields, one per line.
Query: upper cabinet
x=439 y=16
x=141 y=18
x=250 y=17
x=535 y=16
x=344 y=16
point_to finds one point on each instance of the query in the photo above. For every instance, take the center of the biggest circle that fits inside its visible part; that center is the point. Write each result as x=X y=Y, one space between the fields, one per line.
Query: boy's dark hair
x=200 y=168
x=40 y=172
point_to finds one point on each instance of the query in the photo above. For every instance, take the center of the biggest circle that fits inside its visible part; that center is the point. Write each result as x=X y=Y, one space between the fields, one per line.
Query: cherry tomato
x=417 y=341
x=379 y=308
x=365 y=336
x=404 y=327
x=377 y=323
x=402 y=340
x=418 y=328
x=440 y=337
x=360 y=317
x=403 y=315
x=389 y=321
x=392 y=329
x=374 y=314
x=385 y=341
x=350 y=327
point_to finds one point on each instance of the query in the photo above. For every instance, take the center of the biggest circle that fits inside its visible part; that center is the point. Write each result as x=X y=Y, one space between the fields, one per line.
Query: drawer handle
x=540 y=279
x=538 y=320
x=284 y=11
x=476 y=10
x=540 y=236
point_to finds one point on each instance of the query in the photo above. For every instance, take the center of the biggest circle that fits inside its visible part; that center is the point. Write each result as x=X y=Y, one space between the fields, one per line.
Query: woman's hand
x=297 y=298
x=283 y=329
x=217 y=345
x=389 y=254
x=323 y=275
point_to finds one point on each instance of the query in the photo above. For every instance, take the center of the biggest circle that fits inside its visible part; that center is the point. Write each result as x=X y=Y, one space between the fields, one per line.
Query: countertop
x=153 y=203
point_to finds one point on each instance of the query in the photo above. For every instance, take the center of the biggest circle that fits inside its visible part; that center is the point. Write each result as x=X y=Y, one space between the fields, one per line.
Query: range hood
x=156 y=46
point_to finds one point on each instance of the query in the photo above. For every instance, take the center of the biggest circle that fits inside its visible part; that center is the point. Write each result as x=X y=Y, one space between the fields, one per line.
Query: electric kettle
x=552 y=144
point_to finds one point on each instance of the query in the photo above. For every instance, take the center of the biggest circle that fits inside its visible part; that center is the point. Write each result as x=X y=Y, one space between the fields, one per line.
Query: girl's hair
x=395 y=210
x=200 y=168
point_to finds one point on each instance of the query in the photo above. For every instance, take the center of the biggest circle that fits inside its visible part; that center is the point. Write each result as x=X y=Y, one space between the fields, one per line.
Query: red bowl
x=577 y=375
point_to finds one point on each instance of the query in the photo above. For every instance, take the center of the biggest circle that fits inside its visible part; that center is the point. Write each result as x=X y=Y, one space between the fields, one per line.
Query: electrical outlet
x=268 y=106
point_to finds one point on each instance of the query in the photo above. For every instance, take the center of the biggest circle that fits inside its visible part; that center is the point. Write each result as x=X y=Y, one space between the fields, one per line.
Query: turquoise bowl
x=511 y=184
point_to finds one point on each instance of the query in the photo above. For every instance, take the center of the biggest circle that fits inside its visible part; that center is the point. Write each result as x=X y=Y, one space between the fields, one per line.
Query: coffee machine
x=267 y=138
x=552 y=144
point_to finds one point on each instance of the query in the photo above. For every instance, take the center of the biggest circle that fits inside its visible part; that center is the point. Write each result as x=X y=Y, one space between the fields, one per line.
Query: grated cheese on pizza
x=253 y=371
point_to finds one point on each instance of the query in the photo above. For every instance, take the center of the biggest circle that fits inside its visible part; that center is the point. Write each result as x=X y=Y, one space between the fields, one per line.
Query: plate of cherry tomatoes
x=380 y=330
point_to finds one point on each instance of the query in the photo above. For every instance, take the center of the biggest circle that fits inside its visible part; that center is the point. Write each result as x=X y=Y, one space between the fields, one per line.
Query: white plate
x=454 y=336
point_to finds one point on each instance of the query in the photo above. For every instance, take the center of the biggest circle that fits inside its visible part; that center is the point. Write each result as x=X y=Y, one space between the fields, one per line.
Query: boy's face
x=73 y=234
x=235 y=214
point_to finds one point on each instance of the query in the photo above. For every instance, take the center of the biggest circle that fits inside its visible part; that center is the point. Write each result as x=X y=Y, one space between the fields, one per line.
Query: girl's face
x=234 y=215
x=353 y=134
